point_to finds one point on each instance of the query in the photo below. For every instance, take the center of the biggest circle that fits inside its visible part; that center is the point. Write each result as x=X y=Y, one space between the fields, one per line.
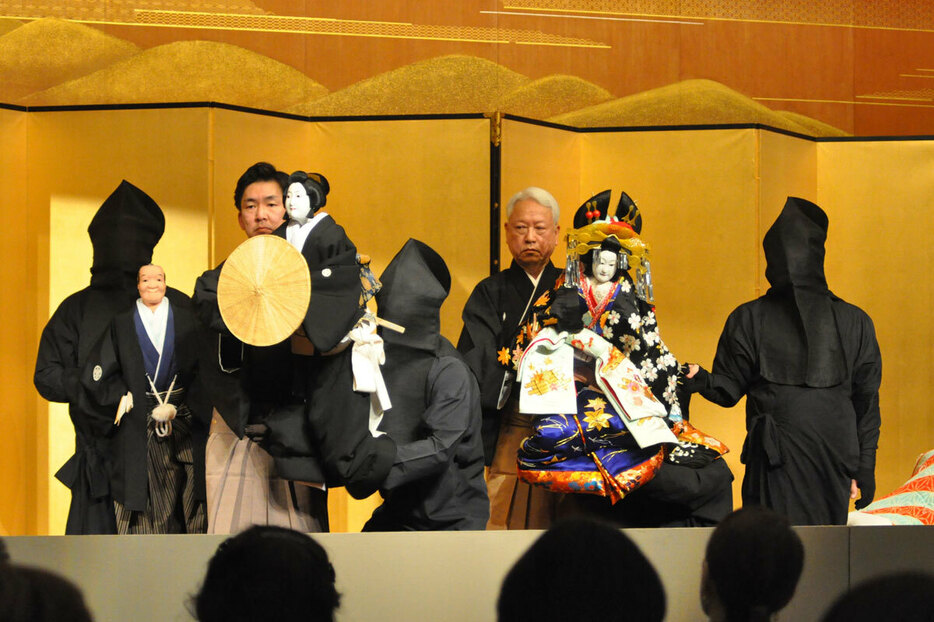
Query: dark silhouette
x=563 y=573
x=268 y=573
x=752 y=566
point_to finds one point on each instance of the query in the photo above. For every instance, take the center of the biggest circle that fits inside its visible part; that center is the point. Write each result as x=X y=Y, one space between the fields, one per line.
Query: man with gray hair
x=497 y=306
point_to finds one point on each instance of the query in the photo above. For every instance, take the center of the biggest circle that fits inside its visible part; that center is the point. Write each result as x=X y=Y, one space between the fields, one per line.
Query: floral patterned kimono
x=625 y=420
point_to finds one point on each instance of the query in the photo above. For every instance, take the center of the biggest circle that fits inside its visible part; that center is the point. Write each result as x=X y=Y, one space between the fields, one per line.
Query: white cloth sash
x=366 y=357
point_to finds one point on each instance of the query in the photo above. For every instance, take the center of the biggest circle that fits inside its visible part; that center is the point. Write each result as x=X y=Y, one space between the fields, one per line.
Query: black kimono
x=117 y=365
x=436 y=481
x=66 y=342
x=493 y=313
x=810 y=368
x=336 y=417
x=251 y=387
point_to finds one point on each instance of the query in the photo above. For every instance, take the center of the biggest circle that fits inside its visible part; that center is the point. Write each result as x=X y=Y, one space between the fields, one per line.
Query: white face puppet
x=604 y=266
x=297 y=204
x=150 y=281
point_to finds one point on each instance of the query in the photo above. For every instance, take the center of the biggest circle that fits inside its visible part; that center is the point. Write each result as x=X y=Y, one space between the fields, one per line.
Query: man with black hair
x=249 y=385
x=289 y=414
x=810 y=368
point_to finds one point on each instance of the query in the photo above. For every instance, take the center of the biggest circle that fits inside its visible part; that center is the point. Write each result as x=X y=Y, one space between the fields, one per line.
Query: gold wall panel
x=22 y=443
x=545 y=157
x=880 y=200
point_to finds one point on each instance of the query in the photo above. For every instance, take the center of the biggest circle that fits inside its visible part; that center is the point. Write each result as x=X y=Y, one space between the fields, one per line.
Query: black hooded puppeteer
x=810 y=367
x=436 y=480
x=123 y=232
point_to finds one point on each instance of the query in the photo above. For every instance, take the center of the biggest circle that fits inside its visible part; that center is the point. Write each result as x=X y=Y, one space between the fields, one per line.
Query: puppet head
x=597 y=231
x=305 y=195
x=150 y=281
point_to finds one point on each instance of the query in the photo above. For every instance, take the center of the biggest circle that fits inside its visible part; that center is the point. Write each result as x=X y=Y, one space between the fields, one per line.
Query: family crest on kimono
x=604 y=388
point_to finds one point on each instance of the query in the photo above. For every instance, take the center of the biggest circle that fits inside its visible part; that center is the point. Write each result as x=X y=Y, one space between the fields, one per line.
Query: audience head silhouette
x=752 y=566
x=560 y=578
x=34 y=595
x=903 y=596
x=268 y=573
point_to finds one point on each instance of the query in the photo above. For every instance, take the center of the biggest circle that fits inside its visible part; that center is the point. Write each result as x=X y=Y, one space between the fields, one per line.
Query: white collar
x=535 y=279
x=154 y=321
x=297 y=233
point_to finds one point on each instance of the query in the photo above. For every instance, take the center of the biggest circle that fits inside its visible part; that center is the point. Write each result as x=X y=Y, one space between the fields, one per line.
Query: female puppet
x=593 y=366
x=334 y=428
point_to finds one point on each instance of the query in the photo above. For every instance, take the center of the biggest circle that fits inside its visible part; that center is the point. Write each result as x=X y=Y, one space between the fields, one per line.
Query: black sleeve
x=867 y=376
x=102 y=379
x=479 y=340
x=734 y=364
x=451 y=392
x=57 y=375
x=204 y=300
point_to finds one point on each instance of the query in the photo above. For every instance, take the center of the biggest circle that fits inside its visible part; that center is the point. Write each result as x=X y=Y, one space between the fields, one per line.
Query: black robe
x=335 y=283
x=66 y=342
x=436 y=481
x=313 y=432
x=123 y=233
x=494 y=311
x=336 y=417
x=803 y=444
x=116 y=366
x=810 y=368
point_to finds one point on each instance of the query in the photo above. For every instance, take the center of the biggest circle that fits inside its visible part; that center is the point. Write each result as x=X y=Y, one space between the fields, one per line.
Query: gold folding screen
x=707 y=197
x=880 y=200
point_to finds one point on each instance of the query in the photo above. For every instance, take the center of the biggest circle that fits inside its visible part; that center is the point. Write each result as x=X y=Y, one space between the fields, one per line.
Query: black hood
x=800 y=341
x=794 y=247
x=124 y=232
x=415 y=284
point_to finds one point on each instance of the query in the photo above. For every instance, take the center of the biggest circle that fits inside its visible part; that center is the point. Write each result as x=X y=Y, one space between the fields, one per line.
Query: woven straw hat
x=263 y=290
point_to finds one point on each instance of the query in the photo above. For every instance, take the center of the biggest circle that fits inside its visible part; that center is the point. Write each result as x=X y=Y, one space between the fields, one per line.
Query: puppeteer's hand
x=695 y=377
x=566 y=309
x=866 y=482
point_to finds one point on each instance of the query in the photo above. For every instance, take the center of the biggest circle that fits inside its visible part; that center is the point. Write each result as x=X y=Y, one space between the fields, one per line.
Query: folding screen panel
x=20 y=451
x=426 y=179
x=534 y=155
x=879 y=196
